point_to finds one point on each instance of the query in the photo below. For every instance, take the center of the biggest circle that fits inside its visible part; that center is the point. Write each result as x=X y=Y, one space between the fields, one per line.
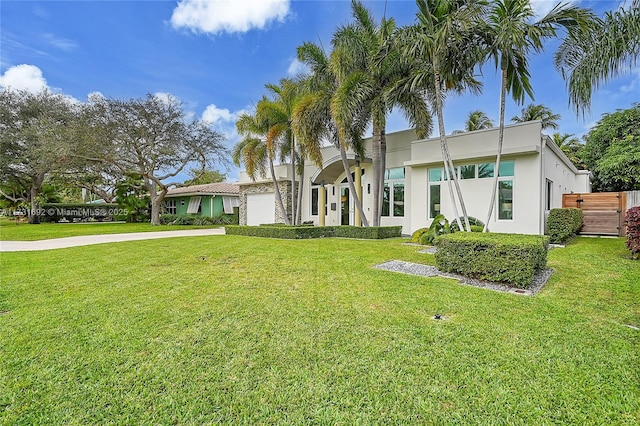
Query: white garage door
x=261 y=209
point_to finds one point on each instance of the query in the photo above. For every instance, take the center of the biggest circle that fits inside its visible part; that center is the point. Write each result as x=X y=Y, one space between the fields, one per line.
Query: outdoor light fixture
x=368 y=188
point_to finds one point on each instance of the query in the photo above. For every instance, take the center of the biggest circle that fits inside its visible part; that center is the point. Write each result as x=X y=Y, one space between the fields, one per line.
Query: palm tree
x=476 y=120
x=278 y=112
x=511 y=34
x=326 y=113
x=571 y=146
x=443 y=45
x=604 y=51
x=254 y=151
x=374 y=69
x=540 y=112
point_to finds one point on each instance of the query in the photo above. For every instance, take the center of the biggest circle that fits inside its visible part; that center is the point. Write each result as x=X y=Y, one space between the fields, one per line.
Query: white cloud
x=296 y=68
x=23 y=77
x=214 y=115
x=231 y=16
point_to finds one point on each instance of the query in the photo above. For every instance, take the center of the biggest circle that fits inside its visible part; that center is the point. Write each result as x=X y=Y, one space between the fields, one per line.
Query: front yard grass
x=241 y=330
x=9 y=231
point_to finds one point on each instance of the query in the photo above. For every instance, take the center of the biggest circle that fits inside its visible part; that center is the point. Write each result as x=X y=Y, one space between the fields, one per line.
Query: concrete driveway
x=86 y=240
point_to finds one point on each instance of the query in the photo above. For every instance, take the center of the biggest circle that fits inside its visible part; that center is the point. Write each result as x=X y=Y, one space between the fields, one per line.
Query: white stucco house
x=534 y=173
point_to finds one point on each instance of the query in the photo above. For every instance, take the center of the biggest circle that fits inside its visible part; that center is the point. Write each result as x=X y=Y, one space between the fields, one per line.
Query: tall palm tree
x=476 y=120
x=443 y=43
x=326 y=112
x=378 y=68
x=278 y=112
x=511 y=34
x=603 y=51
x=538 y=112
x=254 y=151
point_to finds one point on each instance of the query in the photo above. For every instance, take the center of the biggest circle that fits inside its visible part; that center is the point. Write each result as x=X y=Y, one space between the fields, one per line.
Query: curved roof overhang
x=332 y=169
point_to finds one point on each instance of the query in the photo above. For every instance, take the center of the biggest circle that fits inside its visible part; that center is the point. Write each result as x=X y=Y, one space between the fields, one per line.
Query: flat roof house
x=533 y=175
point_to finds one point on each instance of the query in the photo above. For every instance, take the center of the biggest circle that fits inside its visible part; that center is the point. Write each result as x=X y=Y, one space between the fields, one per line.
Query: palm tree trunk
x=383 y=168
x=443 y=144
x=496 y=171
x=278 y=194
x=377 y=172
x=300 y=190
x=352 y=187
x=293 y=180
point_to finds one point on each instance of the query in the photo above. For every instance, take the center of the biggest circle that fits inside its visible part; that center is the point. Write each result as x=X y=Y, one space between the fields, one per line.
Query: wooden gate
x=603 y=212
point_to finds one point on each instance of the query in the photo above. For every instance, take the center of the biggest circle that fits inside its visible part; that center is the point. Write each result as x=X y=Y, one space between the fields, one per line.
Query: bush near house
x=304 y=232
x=185 y=219
x=562 y=224
x=56 y=212
x=633 y=231
x=513 y=259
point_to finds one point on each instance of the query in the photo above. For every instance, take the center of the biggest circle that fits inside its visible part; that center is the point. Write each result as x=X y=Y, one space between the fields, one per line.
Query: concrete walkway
x=86 y=240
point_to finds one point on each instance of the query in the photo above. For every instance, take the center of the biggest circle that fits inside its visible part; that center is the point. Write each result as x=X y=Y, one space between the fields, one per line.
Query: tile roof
x=207 y=188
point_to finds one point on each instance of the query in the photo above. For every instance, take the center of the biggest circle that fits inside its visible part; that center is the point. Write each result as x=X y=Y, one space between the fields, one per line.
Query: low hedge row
x=190 y=219
x=513 y=259
x=303 y=232
x=562 y=224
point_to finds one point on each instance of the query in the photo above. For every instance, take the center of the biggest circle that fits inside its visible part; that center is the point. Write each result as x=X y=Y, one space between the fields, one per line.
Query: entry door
x=346 y=206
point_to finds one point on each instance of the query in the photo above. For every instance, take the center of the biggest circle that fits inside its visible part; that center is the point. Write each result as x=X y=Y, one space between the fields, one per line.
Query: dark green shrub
x=188 y=219
x=633 y=231
x=472 y=221
x=562 y=224
x=302 y=232
x=507 y=258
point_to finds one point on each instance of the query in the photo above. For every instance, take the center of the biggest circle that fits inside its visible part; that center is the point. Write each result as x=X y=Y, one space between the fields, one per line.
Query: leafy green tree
x=611 y=151
x=150 y=137
x=372 y=74
x=204 y=176
x=133 y=197
x=512 y=33
x=540 y=112
x=476 y=120
x=34 y=143
x=599 y=53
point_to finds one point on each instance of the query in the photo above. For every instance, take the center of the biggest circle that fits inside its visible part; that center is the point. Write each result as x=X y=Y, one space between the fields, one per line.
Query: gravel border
x=539 y=280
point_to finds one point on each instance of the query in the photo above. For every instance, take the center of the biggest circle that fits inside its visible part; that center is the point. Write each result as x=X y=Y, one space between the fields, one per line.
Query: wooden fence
x=603 y=212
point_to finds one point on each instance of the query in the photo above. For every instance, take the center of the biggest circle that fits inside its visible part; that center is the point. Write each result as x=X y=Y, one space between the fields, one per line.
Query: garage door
x=260 y=209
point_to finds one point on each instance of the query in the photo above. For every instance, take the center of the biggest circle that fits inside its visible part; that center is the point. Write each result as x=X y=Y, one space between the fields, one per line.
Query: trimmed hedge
x=562 y=224
x=303 y=232
x=633 y=231
x=513 y=259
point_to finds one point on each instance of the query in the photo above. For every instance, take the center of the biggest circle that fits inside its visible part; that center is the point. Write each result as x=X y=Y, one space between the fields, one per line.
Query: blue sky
x=216 y=56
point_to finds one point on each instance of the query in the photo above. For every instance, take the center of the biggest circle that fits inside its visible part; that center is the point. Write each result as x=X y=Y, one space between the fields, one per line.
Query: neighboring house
x=534 y=173
x=210 y=200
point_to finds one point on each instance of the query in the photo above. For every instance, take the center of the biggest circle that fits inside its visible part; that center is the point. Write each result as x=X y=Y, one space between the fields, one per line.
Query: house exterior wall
x=534 y=162
x=210 y=205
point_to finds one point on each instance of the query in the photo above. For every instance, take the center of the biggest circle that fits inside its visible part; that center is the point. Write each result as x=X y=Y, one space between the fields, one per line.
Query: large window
x=393 y=193
x=468 y=171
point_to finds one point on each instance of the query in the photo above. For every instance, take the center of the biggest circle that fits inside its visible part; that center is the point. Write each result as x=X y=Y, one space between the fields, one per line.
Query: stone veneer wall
x=263 y=188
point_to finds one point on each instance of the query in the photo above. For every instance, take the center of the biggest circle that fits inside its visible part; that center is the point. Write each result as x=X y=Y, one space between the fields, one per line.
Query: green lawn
x=240 y=330
x=9 y=231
